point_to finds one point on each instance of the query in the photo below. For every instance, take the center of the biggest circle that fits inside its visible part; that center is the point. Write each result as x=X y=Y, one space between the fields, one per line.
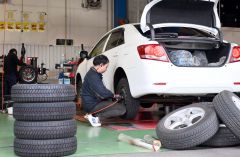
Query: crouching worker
x=95 y=96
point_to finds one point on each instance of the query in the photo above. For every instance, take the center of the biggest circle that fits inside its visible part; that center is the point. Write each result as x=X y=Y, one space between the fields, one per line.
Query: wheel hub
x=184 y=118
x=28 y=75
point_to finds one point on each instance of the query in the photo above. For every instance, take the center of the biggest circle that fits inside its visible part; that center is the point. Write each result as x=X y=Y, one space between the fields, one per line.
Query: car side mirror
x=84 y=54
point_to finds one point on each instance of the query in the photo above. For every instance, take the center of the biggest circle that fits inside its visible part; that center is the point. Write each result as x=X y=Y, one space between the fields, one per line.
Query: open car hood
x=195 y=12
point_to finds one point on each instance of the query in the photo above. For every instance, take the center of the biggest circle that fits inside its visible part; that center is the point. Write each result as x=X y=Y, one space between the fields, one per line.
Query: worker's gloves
x=118 y=97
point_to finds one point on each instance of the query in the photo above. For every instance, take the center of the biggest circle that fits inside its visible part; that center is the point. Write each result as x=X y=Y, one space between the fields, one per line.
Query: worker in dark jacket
x=96 y=96
x=11 y=62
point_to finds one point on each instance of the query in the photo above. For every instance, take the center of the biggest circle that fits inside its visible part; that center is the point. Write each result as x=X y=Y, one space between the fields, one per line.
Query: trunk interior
x=194 y=54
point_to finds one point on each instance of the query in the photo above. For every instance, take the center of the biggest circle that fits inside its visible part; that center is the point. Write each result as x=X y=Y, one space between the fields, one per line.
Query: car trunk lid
x=196 y=12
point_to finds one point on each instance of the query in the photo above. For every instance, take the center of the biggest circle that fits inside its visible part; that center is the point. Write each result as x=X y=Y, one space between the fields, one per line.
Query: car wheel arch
x=78 y=77
x=78 y=80
x=119 y=73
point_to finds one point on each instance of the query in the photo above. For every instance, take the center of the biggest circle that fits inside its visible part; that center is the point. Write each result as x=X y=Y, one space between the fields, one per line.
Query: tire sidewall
x=227 y=111
x=190 y=128
x=132 y=104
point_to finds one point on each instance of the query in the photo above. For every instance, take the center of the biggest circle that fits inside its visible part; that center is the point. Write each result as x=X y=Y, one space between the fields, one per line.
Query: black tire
x=27 y=75
x=46 y=148
x=79 y=88
x=132 y=104
x=44 y=111
x=42 y=93
x=190 y=136
x=146 y=105
x=45 y=130
x=228 y=110
x=223 y=138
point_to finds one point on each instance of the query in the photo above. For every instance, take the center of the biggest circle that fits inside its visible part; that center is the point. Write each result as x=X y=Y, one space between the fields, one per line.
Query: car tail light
x=71 y=75
x=235 y=57
x=152 y=52
x=236 y=83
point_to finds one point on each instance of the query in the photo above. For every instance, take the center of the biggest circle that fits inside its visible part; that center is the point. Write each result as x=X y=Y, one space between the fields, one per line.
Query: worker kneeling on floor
x=97 y=99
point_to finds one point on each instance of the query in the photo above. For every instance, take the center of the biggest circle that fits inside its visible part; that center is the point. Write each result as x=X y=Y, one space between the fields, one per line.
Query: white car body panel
x=183 y=80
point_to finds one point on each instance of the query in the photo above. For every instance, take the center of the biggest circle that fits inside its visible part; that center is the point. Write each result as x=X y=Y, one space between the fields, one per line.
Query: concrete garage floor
x=103 y=142
x=214 y=152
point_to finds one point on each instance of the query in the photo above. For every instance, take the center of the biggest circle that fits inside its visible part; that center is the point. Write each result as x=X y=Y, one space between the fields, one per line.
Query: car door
x=97 y=50
x=112 y=50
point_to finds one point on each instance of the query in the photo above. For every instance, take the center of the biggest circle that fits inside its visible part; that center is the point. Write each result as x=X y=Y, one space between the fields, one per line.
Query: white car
x=176 y=55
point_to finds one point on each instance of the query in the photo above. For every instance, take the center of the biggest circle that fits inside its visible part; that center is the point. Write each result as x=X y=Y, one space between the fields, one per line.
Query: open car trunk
x=190 y=47
x=197 y=54
x=188 y=29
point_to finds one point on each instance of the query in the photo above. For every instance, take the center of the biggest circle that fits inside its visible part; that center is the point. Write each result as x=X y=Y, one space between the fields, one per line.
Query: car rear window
x=181 y=31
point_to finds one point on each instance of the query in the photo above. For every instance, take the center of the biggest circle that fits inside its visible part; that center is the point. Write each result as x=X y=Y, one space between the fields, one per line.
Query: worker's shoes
x=94 y=121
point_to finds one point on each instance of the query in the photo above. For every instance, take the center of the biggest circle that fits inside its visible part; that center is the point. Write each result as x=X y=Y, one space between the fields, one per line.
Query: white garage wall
x=83 y=25
x=49 y=55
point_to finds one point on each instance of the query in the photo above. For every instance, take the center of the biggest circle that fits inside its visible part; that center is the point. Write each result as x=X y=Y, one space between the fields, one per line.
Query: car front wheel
x=79 y=88
x=132 y=104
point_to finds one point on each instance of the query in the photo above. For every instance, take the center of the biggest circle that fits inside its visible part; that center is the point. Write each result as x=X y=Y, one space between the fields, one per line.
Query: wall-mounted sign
x=10 y=15
x=10 y=26
x=42 y=21
x=26 y=26
x=34 y=27
x=41 y=27
x=26 y=21
x=42 y=17
x=2 y=25
x=18 y=26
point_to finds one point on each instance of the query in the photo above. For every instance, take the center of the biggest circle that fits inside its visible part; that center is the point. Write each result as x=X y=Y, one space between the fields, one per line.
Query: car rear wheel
x=132 y=104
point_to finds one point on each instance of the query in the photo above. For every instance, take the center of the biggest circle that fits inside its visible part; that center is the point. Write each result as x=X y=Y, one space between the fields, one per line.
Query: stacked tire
x=212 y=124
x=44 y=123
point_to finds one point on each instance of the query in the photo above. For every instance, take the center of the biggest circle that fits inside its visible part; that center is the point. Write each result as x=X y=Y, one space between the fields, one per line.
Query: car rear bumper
x=167 y=79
